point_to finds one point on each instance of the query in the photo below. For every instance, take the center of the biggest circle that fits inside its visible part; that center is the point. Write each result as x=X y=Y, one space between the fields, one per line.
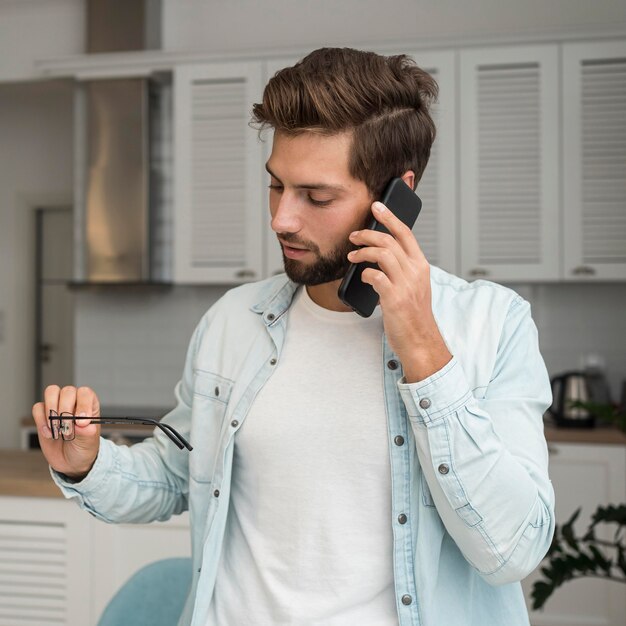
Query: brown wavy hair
x=383 y=100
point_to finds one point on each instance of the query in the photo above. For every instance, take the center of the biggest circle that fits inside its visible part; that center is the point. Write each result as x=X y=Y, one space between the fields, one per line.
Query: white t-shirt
x=309 y=535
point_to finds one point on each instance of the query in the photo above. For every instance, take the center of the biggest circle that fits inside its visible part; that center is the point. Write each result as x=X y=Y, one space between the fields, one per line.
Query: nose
x=285 y=214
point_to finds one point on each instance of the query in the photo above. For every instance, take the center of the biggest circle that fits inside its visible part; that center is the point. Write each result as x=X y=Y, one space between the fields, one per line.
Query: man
x=378 y=471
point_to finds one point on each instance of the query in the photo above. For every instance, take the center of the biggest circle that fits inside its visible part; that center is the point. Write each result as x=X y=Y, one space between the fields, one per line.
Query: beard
x=326 y=268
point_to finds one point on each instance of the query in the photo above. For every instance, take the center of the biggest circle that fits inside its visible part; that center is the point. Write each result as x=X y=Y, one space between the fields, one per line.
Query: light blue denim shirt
x=469 y=461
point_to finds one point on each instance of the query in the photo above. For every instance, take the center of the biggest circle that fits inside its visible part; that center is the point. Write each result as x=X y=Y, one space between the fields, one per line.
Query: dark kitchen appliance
x=568 y=388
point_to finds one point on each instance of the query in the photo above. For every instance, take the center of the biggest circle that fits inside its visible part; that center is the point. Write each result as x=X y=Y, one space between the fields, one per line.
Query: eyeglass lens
x=62 y=425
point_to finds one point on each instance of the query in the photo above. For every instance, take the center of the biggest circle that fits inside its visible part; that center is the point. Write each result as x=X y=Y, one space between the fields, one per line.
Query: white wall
x=131 y=343
x=35 y=170
x=32 y=30
x=235 y=25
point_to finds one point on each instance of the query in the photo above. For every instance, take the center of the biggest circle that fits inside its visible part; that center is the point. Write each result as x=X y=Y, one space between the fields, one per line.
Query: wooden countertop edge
x=26 y=473
x=598 y=435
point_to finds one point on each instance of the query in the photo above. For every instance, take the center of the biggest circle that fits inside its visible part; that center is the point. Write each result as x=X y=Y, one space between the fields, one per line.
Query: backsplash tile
x=131 y=345
x=576 y=321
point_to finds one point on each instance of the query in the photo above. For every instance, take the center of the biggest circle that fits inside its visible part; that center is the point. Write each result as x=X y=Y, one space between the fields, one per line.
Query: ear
x=409 y=178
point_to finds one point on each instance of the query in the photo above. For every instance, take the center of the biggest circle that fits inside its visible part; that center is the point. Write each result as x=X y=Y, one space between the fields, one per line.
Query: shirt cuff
x=435 y=397
x=101 y=468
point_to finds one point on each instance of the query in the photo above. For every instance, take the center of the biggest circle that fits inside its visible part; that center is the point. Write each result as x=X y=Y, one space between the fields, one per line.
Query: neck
x=325 y=295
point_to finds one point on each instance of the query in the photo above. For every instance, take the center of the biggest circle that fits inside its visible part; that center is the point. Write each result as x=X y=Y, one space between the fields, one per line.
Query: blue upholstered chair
x=152 y=596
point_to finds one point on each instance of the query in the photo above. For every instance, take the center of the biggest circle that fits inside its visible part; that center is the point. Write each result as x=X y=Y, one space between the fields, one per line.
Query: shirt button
x=425 y=403
x=272 y=361
x=393 y=364
x=443 y=469
x=271 y=317
x=234 y=423
x=407 y=599
x=402 y=518
x=398 y=440
x=216 y=493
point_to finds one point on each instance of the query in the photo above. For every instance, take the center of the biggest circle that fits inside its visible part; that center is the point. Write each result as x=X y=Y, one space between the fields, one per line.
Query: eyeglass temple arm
x=173 y=434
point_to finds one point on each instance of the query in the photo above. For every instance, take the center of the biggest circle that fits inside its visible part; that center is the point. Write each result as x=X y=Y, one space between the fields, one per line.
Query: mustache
x=294 y=239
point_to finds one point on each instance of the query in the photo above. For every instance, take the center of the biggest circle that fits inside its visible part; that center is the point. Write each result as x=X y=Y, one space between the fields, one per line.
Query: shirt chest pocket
x=211 y=395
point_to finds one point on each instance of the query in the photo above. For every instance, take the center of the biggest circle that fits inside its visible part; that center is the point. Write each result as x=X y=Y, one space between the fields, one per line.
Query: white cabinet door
x=584 y=476
x=217 y=174
x=509 y=124
x=45 y=558
x=594 y=160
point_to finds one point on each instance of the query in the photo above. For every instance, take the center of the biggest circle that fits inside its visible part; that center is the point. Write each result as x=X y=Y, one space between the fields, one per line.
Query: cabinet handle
x=584 y=270
x=245 y=274
x=478 y=271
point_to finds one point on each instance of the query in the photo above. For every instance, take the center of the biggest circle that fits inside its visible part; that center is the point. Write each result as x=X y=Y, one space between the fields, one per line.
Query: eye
x=315 y=202
x=276 y=187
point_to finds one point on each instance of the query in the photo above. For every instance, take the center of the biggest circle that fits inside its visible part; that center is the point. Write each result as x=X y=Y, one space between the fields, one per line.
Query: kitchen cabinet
x=584 y=475
x=218 y=169
x=509 y=169
x=594 y=160
x=60 y=566
x=525 y=182
x=45 y=562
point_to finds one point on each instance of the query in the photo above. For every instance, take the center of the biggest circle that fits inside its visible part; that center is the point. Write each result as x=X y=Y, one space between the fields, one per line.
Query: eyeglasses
x=63 y=426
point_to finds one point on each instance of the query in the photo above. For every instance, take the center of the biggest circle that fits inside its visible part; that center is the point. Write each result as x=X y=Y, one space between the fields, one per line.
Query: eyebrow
x=318 y=186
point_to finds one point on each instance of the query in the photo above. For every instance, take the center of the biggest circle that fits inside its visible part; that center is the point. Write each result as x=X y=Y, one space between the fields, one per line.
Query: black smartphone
x=403 y=202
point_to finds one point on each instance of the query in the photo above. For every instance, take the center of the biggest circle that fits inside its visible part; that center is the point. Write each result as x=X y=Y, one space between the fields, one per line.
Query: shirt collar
x=276 y=298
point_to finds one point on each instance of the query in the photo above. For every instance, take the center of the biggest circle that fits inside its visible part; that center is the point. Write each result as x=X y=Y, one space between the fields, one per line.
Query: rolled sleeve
x=437 y=396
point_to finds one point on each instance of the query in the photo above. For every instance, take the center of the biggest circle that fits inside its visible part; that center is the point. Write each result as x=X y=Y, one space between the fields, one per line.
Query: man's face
x=315 y=204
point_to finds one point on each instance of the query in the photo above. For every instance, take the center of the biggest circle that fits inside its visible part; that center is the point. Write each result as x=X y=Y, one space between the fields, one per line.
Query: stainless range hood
x=122 y=127
x=117 y=214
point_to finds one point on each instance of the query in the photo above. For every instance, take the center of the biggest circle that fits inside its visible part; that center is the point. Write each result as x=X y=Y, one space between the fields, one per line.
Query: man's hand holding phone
x=403 y=284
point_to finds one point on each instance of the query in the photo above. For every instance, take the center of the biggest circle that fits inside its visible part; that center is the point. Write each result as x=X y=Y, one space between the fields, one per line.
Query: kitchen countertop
x=599 y=434
x=26 y=473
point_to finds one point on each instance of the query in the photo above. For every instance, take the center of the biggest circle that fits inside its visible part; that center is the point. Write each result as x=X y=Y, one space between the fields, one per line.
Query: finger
x=51 y=398
x=51 y=401
x=67 y=399
x=87 y=402
x=41 y=420
x=400 y=231
x=67 y=404
x=374 y=239
x=383 y=257
x=87 y=406
x=378 y=280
